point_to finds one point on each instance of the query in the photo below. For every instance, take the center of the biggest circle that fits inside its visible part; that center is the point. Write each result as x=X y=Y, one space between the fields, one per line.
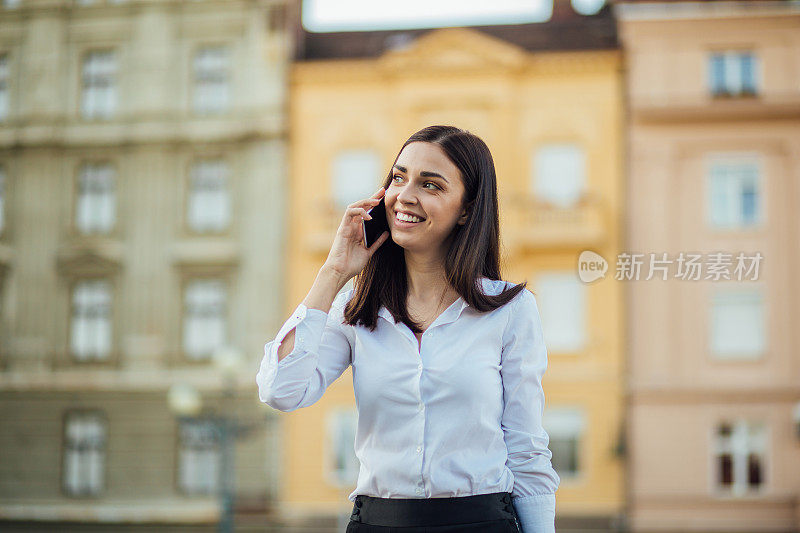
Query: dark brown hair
x=474 y=246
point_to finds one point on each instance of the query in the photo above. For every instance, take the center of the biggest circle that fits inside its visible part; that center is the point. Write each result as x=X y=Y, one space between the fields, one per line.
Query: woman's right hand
x=349 y=255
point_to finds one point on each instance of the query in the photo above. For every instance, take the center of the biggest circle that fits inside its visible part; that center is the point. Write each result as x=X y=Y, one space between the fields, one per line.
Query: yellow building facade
x=538 y=111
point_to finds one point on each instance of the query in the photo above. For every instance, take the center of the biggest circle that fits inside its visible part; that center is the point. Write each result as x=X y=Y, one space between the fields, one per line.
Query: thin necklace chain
x=440 y=303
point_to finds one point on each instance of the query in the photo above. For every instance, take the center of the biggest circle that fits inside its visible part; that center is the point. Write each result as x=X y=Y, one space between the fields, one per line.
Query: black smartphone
x=375 y=227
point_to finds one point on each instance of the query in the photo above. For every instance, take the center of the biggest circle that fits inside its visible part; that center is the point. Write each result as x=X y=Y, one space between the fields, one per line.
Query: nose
x=406 y=196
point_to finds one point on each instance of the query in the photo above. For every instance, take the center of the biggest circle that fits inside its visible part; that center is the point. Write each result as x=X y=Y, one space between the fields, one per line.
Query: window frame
x=731 y=292
x=729 y=57
x=186 y=281
x=192 y=77
x=114 y=230
x=583 y=341
x=334 y=476
x=581 y=475
x=738 y=159
x=83 y=56
x=65 y=418
x=179 y=487
x=111 y=357
x=743 y=491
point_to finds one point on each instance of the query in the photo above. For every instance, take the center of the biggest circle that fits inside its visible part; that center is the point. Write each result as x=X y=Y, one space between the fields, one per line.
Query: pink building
x=714 y=183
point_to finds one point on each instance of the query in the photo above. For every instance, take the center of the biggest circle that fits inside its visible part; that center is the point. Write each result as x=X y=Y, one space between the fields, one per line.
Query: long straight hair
x=474 y=250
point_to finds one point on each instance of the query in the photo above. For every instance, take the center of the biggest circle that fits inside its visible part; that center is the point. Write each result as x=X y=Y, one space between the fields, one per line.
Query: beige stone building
x=714 y=353
x=142 y=159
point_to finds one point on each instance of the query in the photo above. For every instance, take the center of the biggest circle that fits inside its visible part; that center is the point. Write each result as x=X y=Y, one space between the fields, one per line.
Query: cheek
x=389 y=199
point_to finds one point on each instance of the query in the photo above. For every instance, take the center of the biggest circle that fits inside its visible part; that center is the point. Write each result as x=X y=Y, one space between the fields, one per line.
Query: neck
x=426 y=277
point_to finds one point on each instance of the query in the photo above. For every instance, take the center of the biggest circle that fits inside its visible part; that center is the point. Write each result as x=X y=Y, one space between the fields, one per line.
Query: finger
x=371 y=201
x=356 y=211
x=380 y=240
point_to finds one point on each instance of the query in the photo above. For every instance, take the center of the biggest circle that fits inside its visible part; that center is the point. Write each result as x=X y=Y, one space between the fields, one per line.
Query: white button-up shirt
x=458 y=415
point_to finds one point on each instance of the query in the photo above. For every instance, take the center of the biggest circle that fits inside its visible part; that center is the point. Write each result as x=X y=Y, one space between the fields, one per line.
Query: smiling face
x=425 y=184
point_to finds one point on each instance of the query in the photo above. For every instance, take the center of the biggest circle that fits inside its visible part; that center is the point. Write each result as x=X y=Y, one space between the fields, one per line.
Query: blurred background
x=172 y=173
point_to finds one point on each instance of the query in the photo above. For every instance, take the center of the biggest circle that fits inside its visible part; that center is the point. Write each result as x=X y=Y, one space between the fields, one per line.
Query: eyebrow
x=424 y=173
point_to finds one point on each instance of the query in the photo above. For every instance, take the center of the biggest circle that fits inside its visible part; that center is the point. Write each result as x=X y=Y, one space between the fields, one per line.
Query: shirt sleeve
x=322 y=352
x=523 y=362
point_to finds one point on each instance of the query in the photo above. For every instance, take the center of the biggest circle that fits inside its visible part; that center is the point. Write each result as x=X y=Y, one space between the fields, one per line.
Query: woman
x=447 y=358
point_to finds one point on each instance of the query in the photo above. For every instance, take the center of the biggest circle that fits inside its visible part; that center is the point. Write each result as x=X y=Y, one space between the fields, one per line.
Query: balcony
x=531 y=224
x=89 y=256
x=526 y=223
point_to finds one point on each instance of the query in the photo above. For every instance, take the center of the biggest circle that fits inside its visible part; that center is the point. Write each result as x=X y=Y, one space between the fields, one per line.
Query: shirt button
x=421 y=406
x=419 y=449
x=419 y=366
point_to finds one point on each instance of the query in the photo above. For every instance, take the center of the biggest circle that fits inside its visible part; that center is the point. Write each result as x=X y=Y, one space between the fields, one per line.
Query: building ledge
x=671 y=109
x=162 y=510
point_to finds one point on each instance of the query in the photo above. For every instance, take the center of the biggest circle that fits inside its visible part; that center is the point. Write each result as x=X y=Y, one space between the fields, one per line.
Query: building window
x=735 y=194
x=3 y=87
x=84 y=454
x=737 y=324
x=90 y=335
x=211 y=79
x=733 y=73
x=204 y=324
x=95 y=212
x=740 y=454
x=3 y=196
x=561 y=297
x=200 y=457
x=355 y=176
x=565 y=426
x=559 y=173
x=99 y=94
x=344 y=464
x=209 y=208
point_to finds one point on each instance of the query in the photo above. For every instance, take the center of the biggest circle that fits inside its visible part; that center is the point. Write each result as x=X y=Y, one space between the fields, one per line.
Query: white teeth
x=408 y=218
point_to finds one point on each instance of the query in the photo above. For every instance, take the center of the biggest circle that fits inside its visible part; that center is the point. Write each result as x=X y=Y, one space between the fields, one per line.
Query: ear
x=465 y=213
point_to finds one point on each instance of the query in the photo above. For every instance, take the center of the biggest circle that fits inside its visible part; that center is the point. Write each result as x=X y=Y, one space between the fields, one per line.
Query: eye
x=397 y=176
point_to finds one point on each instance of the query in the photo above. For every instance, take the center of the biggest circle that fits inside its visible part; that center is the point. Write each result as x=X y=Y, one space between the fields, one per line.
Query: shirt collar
x=450 y=314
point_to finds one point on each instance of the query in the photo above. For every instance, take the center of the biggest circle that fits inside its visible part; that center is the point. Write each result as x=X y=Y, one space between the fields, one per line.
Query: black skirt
x=487 y=513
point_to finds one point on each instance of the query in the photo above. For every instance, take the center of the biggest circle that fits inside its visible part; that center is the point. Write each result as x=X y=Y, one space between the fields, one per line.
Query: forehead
x=419 y=156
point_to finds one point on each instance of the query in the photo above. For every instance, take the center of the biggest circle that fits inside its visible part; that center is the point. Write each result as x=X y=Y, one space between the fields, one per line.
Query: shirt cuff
x=310 y=325
x=537 y=513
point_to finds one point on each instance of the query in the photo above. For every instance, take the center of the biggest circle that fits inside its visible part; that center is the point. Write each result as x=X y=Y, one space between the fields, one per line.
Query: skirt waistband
x=418 y=512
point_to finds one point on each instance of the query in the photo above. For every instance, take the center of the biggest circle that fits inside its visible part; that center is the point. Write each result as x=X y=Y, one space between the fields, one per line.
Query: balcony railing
x=528 y=223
